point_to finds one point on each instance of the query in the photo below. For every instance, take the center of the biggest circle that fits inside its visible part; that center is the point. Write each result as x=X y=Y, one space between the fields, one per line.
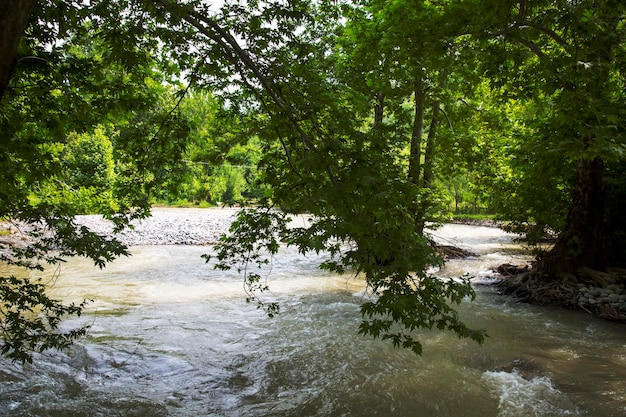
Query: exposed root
x=599 y=278
x=538 y=288
x=563 y=289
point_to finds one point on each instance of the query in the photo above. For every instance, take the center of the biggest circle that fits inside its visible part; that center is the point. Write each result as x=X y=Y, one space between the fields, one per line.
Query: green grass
x=183 y=204
x=473 y=216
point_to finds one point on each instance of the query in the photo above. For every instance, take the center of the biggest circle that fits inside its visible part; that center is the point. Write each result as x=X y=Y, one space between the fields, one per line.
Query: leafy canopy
x=86 y=126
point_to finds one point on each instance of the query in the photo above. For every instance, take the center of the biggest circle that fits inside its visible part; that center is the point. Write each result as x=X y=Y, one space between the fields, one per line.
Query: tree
x=62 y=76
x=272 y=61
x=413 y=59
x=89 y=160
x=568 y=59
x=319 y=158
x=14 y=18
x=222 y=154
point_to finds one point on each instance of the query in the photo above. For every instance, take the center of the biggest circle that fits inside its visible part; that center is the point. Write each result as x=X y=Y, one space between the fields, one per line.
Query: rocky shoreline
x=166 y=226
x=604 y=301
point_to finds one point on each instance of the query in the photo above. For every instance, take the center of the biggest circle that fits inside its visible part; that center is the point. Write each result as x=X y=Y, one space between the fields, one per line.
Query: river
x=170 y=336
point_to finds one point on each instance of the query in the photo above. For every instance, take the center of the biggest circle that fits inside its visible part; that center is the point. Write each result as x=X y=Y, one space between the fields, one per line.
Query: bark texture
x=14 y=16
x=417 y=132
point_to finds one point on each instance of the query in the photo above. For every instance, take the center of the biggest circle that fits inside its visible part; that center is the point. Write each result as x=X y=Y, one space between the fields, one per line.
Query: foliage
x=85 y=174
x=517 y=168
x=360 y=113
x=78 y=86
x=30 y=319
x=564 y=63
x=221 y=156
x=88 y=160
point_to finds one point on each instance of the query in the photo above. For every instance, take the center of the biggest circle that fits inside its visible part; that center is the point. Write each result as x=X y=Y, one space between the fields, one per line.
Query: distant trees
x=220 y=164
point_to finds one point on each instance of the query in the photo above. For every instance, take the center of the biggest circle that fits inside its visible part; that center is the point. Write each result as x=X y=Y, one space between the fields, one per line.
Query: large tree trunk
x=582 y=244
x=579 y=252
x=14 y=16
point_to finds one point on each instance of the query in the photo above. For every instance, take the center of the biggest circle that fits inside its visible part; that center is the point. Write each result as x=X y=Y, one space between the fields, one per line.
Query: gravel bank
x=166 y=226
x=169 y=226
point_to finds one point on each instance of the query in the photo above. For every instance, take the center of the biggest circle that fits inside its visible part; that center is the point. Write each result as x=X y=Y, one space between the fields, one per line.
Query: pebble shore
x=168 y=227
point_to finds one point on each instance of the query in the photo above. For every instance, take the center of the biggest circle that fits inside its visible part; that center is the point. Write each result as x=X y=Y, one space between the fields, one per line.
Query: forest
x=379 y=118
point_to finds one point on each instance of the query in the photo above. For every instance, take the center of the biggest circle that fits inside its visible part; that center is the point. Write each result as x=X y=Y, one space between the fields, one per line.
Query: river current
x=171 y=336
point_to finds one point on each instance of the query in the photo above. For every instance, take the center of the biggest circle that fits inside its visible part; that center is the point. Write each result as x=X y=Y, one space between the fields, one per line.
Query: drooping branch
x=237 y=56
x=242 y=60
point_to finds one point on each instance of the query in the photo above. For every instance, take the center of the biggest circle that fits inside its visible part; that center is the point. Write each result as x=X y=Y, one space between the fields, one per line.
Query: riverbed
x=171 y=336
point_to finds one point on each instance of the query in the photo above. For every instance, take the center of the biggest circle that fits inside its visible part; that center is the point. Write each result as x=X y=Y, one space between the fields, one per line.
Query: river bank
x=166 y=226
x=204 y=226
x=169 y=226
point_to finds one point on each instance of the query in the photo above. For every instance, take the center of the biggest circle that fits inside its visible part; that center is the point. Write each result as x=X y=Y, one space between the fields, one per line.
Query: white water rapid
x=170 y=336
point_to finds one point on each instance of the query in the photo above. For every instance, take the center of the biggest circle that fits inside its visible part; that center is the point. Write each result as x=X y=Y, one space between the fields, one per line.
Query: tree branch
x=238 y=56
x=547 y=31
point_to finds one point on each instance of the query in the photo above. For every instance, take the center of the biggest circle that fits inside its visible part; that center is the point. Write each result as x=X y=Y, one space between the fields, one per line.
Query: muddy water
x=170 y=336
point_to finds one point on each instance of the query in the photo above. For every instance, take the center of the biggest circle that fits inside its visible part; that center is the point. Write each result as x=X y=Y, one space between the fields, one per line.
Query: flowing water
x=170 y=336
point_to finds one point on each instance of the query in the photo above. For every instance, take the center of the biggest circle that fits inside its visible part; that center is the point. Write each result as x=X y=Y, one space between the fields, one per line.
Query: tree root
x=538 y=288
x=563 y=289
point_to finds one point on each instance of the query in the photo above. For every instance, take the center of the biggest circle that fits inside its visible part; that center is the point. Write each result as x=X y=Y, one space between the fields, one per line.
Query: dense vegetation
x=376 y=117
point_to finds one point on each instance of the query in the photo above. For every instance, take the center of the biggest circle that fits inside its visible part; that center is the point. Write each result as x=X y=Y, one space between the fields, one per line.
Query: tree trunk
x=429 y=151
x=415 y=155
x=427 y=171
x=582 y=244
x=14 y=16
x=379 y=108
